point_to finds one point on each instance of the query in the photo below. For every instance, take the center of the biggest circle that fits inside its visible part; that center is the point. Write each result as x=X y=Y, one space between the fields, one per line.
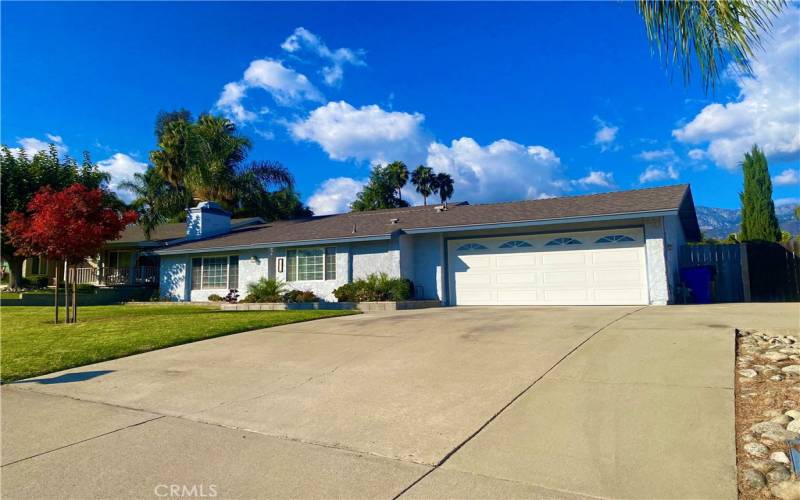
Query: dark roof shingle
x=379 y=222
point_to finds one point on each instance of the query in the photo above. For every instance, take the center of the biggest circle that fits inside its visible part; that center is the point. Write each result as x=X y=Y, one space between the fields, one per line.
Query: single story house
x=602 y=249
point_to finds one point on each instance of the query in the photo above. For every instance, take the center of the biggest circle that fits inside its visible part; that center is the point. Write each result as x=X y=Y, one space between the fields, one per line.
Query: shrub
x=214 y=298
x=266 y=290
x=300 y=296
x=375 y=287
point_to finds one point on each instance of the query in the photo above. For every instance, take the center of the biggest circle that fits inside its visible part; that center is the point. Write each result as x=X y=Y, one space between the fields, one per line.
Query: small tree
x=759 y=222
x=68 y=225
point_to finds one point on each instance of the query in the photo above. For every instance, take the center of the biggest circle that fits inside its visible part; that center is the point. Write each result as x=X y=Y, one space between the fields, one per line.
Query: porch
x=118 y=276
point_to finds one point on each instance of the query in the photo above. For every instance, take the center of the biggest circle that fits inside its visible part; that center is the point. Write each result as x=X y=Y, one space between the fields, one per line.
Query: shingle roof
x=379 y=222
x=133 y=234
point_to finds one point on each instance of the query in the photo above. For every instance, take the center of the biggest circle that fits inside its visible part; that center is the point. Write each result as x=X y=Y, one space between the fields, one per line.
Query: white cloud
x=788 y=177
x=121 y=167
x=787 y=201
x=657 y=154
x=33 y=145
x=697 y=154
x=335 y=195
x=502 y=170
x=596 y=178
x=767 y=110
x=286 y=86
x=332 y=72
x=365 y=133
x=655 y=174
x=605 y=135
x=230 y=101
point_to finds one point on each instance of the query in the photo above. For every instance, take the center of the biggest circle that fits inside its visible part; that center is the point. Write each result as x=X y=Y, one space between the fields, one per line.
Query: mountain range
x=720 y=222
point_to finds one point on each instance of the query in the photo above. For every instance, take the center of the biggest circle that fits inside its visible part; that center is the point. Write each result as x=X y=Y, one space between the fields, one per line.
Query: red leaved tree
x=68 y=225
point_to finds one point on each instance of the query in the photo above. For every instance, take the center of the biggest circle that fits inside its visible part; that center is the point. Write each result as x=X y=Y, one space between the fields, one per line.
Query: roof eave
x=280 y=244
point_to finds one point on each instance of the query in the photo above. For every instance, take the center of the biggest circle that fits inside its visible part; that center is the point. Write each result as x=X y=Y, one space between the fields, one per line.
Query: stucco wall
x=674 y=239
x=173 y=282
x=428 y=265
x=656 y=261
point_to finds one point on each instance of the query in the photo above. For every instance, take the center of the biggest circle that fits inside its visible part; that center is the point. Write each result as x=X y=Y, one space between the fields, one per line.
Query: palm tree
x=397 y=172
x=206 y=158
x=443 y=185
x=709 y=30
x=156 y=202
x=422 y=179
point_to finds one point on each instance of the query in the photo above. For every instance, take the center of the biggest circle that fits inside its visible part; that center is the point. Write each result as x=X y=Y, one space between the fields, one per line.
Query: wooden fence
x=727 y=263
x=757 y=272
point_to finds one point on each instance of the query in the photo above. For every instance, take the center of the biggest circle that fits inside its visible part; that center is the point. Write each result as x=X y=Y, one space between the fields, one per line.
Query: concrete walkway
x=455 y=403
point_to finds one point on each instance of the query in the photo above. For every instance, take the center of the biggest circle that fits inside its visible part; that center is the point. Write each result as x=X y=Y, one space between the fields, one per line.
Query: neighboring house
x=611 y=248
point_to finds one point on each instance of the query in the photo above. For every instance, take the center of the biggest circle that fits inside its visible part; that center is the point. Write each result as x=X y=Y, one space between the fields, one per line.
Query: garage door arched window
x=470 y=247
x=614 y=238
x=516 y=244
x=562 y=241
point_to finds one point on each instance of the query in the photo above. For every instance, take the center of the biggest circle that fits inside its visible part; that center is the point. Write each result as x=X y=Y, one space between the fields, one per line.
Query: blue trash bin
x=698 y=280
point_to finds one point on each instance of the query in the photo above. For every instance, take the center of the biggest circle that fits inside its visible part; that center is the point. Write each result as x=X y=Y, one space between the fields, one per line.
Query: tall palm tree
x=206 y=158
x=708 y=31
x=397 y=172
x=422 y=179
x=443 y=186
x=156 y=202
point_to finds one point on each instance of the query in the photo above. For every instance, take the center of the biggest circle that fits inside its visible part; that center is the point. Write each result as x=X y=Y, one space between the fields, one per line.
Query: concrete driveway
x=457 y=402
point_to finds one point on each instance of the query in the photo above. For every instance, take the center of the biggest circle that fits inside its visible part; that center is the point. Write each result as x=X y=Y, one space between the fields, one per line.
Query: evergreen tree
x=759 y=222
x=380 y=192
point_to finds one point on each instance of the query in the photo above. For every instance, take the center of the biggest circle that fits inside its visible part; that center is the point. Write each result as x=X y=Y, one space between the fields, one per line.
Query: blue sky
x=514 y=100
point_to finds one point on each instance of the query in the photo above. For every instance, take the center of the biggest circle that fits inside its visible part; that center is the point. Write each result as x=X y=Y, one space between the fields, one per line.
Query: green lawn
x=30 y=344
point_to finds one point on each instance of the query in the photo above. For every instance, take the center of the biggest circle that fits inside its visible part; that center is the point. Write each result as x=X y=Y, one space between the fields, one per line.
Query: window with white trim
x=311 y=264
x=214 y=273
x=516 y=244
x=614 y=238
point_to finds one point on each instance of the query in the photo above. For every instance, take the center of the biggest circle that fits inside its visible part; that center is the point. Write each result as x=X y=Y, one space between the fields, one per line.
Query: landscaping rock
x=780 y=435
x=749 y=373
x=791 y=369
x=793 y=426
x=779 y=457
x=762 y=466
x=794 y=414
x=767 y=426
x=756 y=450
x=771 y=413
x=782 y=419
x=786 y=490
x=775 y=356
x=776 y=378
x=778 y=474
x=754 y=479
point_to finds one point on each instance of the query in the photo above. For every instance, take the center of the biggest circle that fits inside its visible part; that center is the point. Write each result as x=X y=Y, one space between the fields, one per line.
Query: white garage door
x=582 y=268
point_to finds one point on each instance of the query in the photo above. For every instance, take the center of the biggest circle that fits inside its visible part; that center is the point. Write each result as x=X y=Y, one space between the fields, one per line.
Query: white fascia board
x=542 y=222
x=181 y=251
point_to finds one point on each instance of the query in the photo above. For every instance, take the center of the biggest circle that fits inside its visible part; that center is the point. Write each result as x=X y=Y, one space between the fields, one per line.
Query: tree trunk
x=15 y=263
x=55 y=295
x=66 y=293
x=75 y=294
